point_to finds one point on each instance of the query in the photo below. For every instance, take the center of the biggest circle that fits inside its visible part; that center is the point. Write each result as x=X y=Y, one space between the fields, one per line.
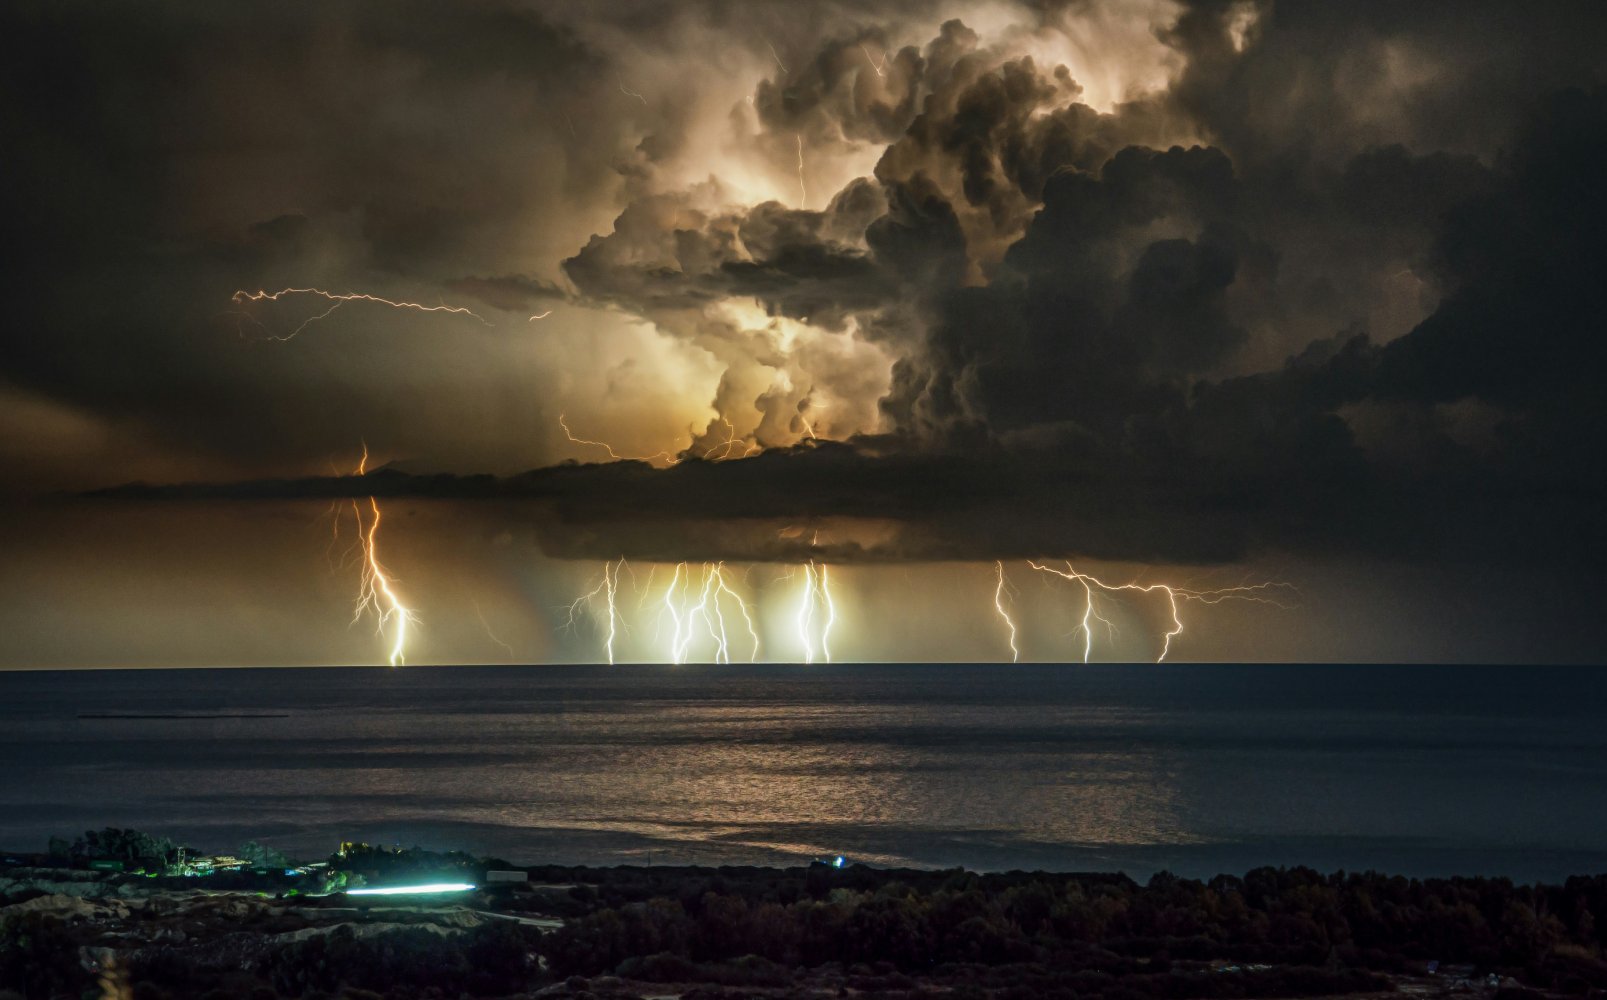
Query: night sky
x=1300 y=297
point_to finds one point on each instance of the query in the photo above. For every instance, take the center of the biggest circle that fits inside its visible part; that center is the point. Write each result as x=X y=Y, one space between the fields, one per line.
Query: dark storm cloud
x=161 y=157
x=1337 y=289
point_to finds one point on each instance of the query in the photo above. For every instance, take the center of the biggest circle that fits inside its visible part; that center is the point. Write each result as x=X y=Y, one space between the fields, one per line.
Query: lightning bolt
x=490 y=634
x=815 y=597
x=608 y=590
x=722 y=452
x=806 y=609
x=998 y=604
x=631 y=93
x=375 y=592
x=537 y=316
x=747 y=618
x=877 y=66
x=243 y=298
x=803 y=193
x=1259 y=593
x=675 y=615
x=777 y=57
x=616 y=456
x=705 y=614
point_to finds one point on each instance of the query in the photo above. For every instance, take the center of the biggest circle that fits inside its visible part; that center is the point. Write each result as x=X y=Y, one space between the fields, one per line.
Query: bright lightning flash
x=376 y=589
x=375 y=592
x=243 y=298
x=696 y=604
x=1260 y=593
x=816 y=601
x=998 y=604
x=608 y=591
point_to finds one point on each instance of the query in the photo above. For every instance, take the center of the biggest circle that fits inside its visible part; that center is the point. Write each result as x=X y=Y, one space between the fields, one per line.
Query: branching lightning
x=490 y=634
x=243 y=298
x=879 y=67
x=1260 y=593
x=815 y=601
x=608 y=591
x=998 y=604
x=730 y=444
x=668 y=458
x=696 y=604
x=376 y=589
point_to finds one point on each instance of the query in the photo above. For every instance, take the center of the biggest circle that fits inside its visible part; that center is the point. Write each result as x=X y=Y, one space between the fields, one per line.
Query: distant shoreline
x=183 y=715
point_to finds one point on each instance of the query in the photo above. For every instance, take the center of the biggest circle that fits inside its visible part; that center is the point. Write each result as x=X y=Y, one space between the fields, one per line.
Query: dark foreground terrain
x=709 y=933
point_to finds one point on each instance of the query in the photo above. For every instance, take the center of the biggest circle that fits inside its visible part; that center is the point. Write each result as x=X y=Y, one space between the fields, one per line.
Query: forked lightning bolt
x=376 y=589
x=816 y=601
x=608 y=591
x=696 y=605
x=1259 y=593
x=337 y=300
x=998 y=604
x=879 y=67
x=616 y=456
x=376 y=592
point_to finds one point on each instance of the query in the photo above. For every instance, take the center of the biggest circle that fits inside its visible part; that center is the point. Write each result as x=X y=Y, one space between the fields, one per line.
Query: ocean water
x=1192 y=769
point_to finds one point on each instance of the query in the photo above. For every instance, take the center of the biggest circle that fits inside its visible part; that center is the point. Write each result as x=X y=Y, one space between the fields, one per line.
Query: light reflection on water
x=1195 y=769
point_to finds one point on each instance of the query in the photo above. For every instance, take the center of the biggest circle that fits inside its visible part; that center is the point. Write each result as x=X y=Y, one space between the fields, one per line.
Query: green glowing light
x=404 y=890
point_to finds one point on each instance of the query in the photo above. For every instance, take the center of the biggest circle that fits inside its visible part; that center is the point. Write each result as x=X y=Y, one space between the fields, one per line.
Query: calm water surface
x=1193 y=769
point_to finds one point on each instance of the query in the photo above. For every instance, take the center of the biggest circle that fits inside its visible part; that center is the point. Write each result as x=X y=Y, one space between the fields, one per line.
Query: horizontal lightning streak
x=339 y=299
x=1256 y=593
x=616 y=456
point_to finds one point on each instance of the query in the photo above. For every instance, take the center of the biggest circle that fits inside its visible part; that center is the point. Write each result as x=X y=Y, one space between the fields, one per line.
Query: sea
x=1196 y=770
